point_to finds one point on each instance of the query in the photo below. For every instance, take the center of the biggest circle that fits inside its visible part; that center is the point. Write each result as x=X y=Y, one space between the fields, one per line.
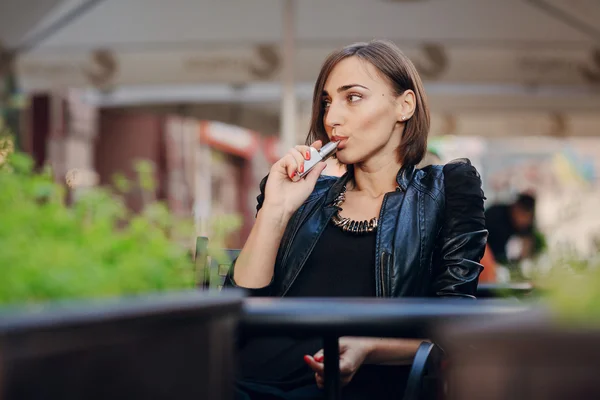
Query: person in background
x=511 y=227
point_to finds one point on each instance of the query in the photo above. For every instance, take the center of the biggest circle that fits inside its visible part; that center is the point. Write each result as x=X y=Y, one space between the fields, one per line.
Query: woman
x=424 y=232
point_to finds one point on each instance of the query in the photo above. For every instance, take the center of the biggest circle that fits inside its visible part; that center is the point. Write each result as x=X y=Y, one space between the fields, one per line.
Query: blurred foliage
x=570 y=284
x=221 y=227
x=94 y=248
x=12 y=101
x=6 y=142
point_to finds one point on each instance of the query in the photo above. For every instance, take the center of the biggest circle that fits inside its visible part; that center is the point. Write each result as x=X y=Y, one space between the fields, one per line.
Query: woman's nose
x=334 y=115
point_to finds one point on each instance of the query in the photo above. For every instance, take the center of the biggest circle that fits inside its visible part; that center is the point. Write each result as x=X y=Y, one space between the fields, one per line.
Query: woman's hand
x=353 y=353
x=281 y=193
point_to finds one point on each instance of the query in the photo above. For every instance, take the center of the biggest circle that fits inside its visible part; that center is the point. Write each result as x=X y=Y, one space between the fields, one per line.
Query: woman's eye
x=326 y=103
x=352 y=98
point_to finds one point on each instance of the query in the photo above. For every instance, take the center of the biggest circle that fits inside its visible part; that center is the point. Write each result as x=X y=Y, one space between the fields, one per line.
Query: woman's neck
x=376 y=177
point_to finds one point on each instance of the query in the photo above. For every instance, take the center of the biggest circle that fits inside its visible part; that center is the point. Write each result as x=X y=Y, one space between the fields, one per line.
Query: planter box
x=173 y=346
x=526 y=357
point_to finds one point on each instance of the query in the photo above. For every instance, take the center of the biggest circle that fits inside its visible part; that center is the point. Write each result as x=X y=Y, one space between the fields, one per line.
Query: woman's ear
x=406 y=104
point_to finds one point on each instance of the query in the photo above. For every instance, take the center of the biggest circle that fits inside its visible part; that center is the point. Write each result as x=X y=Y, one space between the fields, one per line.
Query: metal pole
x=331 y=353
x=288 y=103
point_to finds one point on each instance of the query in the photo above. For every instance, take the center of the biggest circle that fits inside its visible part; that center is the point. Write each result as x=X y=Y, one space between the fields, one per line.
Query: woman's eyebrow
x=344 y=88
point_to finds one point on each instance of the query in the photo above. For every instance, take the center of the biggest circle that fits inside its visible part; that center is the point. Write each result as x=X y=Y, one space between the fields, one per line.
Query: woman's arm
x=279 y=199
x=392 y=351
x=463 y=235
x=356 y=351
x=254 y=266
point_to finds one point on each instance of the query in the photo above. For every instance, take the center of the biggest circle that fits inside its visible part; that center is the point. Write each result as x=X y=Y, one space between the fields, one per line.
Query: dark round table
x=331 y=318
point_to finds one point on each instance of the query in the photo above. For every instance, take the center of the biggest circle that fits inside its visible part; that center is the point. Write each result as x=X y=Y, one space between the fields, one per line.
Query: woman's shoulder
x=464 y=197
x=455 y=177
x=459 y=168
x=462 y=178
x=452 y=172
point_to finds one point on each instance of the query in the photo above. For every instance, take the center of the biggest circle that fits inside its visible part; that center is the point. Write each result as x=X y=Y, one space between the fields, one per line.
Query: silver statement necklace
x=347 y=224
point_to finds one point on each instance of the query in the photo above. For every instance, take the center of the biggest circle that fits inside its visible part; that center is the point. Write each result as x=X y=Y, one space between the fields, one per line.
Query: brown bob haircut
x=401 y=74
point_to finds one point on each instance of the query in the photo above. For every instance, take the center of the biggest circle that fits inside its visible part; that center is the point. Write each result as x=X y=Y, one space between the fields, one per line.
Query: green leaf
x=121 y=183
x=91 y=249
x=145 y=175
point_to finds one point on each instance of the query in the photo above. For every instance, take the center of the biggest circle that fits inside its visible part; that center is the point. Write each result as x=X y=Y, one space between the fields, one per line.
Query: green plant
x=6 y=142
x=91 y=249
x=220 y=227
x=570 y=285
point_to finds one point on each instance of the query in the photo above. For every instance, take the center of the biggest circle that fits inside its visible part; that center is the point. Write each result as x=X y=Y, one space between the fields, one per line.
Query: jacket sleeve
x=463 y=235
x=229 y=281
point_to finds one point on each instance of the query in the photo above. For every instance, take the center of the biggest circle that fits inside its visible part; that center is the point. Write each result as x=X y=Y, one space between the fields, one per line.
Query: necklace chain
x=349 y=225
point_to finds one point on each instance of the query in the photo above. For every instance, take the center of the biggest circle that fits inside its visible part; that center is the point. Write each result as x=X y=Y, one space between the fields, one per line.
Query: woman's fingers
x=317 y=144
x=304 y=151
x=318 y=367
x=293 y=161
x=345 y=367
x=299 y=158
x=289 y=164
x=319 y=356
x=320 y=381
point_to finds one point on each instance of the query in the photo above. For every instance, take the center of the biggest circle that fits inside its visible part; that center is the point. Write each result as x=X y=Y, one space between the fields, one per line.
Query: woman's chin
x=349 y=160
x=344 y=157
x=343 y=160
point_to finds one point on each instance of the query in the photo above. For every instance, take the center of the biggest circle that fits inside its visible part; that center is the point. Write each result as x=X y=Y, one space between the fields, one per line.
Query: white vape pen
x=315 y=157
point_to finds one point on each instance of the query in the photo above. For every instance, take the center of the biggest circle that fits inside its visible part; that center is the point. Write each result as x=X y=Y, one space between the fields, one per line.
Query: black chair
x=210 y=271
x=424 y=380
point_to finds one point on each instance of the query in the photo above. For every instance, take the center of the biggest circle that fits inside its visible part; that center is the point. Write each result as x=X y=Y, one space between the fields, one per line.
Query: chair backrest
x=210 y=272
x=425 y=378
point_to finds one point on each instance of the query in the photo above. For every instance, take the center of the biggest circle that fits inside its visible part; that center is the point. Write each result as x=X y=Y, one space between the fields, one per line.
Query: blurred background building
x=212 y=91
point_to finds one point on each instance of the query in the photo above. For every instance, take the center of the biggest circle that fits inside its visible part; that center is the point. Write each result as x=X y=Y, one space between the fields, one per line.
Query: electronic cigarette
x=316 y=156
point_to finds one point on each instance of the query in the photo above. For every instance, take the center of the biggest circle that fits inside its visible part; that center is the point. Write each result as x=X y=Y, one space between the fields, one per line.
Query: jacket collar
x=336 y=188
x=404 y=177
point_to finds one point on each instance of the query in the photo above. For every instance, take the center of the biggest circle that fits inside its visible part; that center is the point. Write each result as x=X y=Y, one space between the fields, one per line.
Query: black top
x=341 y=265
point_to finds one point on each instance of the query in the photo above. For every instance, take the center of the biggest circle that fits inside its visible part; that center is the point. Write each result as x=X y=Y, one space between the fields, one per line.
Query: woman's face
x=360 y=104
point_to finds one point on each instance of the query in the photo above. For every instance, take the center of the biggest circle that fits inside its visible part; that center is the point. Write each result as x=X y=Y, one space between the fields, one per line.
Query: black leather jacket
x=430 y=239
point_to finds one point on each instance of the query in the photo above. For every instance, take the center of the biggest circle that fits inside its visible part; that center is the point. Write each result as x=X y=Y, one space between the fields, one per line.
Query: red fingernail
x=301 y=168
x=319 y=358
x=307 y=359
x=292 y=175
x=308 y=155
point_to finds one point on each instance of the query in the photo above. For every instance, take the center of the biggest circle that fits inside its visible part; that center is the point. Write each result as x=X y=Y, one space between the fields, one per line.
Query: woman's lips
x=341 y=139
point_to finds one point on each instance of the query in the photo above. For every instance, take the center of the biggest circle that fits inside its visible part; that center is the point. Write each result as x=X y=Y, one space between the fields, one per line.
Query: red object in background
x=229 y=139
x=489 y=266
